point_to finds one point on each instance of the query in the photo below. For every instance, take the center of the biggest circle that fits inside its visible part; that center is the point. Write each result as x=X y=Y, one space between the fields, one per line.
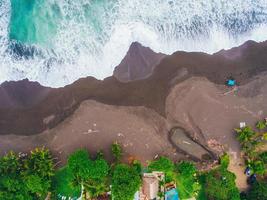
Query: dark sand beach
x=185 y=90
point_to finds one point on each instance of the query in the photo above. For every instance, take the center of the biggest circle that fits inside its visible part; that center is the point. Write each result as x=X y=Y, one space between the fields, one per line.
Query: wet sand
x=181 y=140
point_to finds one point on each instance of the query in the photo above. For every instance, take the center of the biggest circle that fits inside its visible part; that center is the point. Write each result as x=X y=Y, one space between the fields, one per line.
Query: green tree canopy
x=258 y=167
x=258 y=191
x=99 y=169
x=263 y=157
x=245 y=134
x=26 y=177
x=220 y=185
x=186 y=179
x=187 y=168
x=162 y=164
x=34 y=184
x=125 y=182
x=79 y=164
x=91 y=174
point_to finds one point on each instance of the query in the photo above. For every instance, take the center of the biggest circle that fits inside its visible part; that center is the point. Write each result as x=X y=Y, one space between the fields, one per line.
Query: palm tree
x=96 y=188
x=245 y=134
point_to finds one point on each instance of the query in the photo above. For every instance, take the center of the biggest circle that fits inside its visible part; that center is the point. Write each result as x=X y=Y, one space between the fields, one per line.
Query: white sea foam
x=93 y=36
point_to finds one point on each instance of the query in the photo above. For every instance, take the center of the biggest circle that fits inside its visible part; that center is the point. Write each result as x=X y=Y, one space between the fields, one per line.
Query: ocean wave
x=55 y=42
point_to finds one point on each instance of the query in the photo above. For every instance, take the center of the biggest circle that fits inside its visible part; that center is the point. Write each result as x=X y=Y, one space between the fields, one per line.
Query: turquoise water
x=63 y=40
x=34 y=21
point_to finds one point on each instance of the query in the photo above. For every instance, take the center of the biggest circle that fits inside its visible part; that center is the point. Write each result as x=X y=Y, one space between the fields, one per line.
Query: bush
x=225 y=160
x=125 y=182
x=220 y=185
x=187 y=180
x=26 y=176
x=165 y=165
x=79 y=164
x=245 y=134
x=258 y=191
x=137 y=166
x=261 y=125
x=263 y=157
x=258 y=167
x=116 y=151
x=62 y=184
x=162 y=164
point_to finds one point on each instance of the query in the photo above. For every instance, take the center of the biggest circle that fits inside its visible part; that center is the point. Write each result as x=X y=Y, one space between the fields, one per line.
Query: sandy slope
x=141 y=131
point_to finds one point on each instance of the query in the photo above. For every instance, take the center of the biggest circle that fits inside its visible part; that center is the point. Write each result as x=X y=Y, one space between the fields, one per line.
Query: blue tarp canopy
x=231 y=82
x=171 y=195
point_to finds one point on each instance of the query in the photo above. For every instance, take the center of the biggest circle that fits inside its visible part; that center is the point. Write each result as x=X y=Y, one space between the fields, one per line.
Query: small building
x=153 y=184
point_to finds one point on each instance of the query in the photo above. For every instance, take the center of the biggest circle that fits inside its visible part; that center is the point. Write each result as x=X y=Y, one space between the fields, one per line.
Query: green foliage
x=258 y=167
x=62 y=183
x=125 y=182
x=79 y=164
x=202 y=194
x=137 y=166
x=40 y=163
x=91 y=174
x=261 y=125
x=165 y=165
x=26 y=177
x=258 y=191
x=39 y=167
x=224 y=161
x=34 y=184
x=116 y=151
x=187 y=180
x=220 y=185
x=99 y=169
x=186 y=168
x=245 y=134
x=162 y=164
x=263 y=157
x=100 y=155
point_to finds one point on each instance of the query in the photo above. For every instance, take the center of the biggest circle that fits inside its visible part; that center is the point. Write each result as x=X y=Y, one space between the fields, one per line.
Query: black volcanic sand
x=47 y=111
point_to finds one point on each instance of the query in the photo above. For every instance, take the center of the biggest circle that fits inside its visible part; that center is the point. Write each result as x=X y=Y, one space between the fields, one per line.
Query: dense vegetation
x=32 y=177
x=125 y=182
x=251 y=141
x=258 y=191
x=220 y=183
x=26 y=176
x=187 y=180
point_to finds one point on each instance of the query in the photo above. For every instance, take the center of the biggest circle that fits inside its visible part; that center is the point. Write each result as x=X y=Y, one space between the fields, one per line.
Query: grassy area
x=62 y=184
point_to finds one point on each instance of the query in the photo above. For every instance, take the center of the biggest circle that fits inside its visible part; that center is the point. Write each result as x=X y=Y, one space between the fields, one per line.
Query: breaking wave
x=55 y=42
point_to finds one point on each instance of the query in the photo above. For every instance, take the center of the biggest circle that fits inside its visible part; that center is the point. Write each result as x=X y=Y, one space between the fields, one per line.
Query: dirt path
x=237 y=166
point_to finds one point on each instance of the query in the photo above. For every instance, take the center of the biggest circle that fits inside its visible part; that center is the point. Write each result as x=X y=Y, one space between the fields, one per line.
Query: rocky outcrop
x=138 y=63
x=21 y=94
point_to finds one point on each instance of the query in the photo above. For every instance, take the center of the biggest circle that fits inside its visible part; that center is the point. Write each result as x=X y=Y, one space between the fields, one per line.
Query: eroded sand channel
x=182 y=142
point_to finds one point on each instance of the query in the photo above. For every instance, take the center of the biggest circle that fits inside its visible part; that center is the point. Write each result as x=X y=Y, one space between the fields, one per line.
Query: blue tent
x=231 y=82
x=172 y=195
